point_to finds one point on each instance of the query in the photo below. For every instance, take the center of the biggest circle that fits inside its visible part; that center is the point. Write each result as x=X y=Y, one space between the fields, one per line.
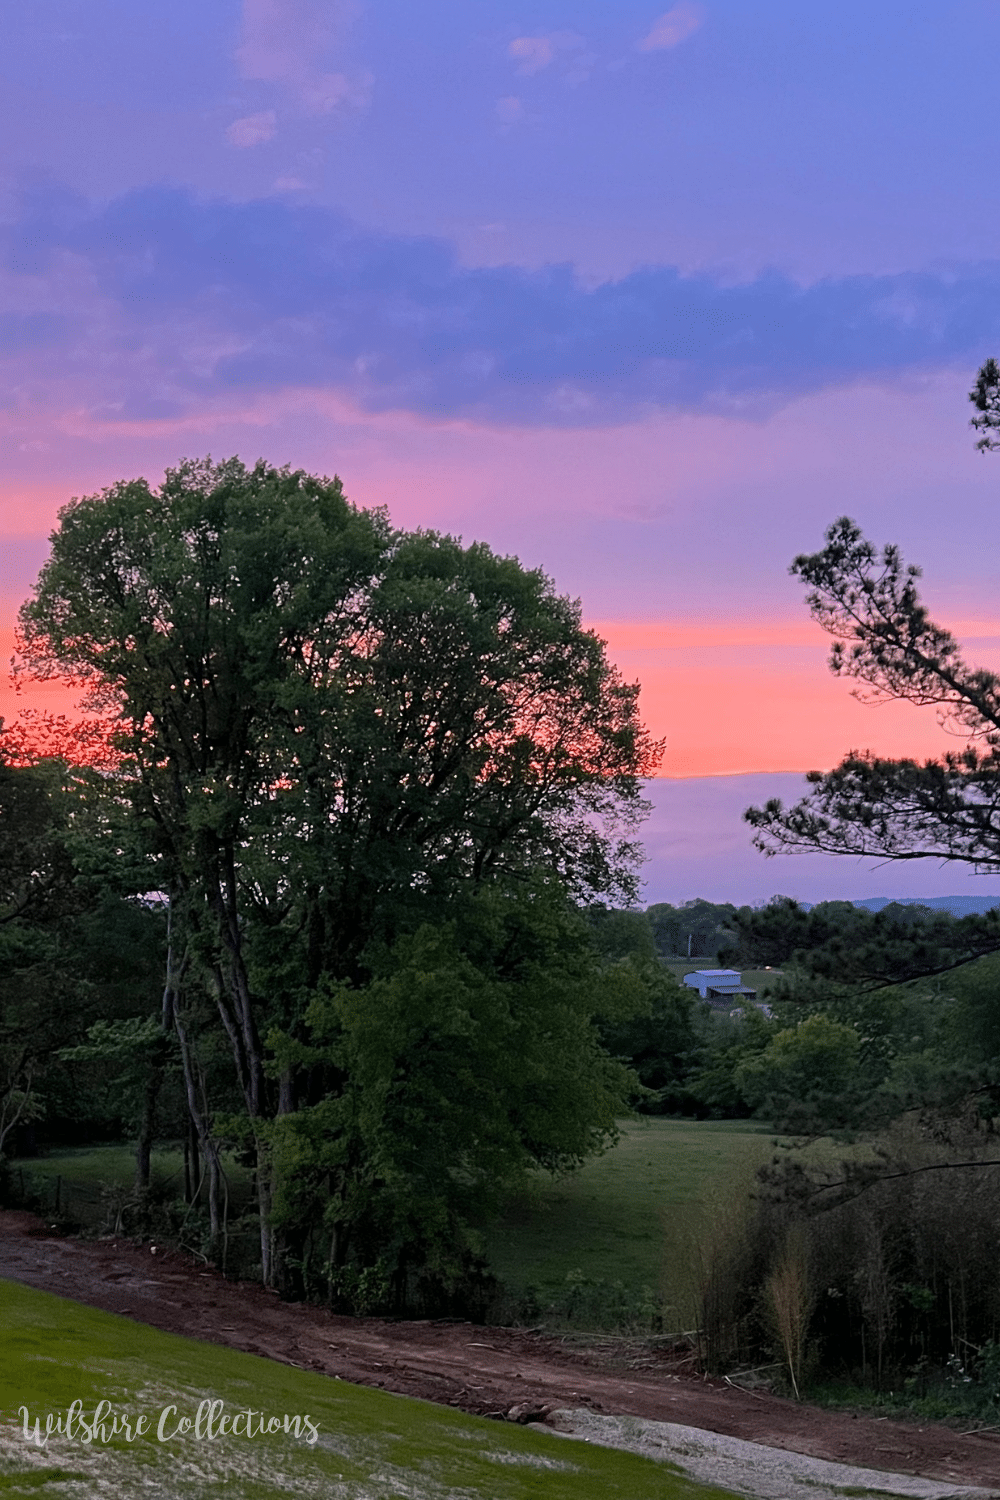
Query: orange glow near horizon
x=53 y=696
x=738 y=697
x=730 y=698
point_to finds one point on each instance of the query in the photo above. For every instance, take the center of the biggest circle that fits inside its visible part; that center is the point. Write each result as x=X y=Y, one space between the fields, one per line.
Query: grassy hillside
x=369 y=1445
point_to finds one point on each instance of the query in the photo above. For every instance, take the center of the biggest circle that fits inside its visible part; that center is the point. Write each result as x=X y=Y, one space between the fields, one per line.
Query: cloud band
x=266 y=294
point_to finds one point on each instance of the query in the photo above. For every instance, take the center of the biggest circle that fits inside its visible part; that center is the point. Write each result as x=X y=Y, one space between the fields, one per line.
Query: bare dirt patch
x=486 y=1371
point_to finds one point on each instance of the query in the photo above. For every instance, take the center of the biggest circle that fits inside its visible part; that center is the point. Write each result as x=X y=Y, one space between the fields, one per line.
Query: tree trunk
x=194 y=1155
x=199 y=1119
x=200 y=1126
x=144 y=1144
x=147 y=1126
x=235 y=1004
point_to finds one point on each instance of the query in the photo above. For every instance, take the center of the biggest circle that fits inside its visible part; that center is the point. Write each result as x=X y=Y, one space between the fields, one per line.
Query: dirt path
x=487 y=1371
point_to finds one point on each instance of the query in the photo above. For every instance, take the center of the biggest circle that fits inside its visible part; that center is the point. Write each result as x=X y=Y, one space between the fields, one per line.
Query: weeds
x=790 y=1298
x=894 y=1288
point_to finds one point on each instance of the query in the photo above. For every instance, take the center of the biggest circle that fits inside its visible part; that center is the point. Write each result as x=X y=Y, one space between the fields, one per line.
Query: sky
x=647 y=297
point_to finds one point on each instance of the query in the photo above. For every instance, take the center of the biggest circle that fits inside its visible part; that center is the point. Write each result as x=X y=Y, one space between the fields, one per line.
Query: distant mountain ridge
x=959 y=906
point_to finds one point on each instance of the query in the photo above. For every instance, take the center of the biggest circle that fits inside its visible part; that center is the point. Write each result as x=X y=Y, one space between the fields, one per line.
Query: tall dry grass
x=712 y=1255
x=890 y=1279
x=790 y=1293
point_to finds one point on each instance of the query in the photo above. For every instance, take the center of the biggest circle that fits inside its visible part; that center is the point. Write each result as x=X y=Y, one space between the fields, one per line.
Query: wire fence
x=64 y=1199
x=75 y=1205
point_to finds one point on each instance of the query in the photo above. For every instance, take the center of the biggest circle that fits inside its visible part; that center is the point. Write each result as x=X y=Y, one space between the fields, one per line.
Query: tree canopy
x=837 y=940
x=332 y=734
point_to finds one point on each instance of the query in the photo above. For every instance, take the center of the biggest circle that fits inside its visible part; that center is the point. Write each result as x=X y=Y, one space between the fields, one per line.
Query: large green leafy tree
x=330 y=729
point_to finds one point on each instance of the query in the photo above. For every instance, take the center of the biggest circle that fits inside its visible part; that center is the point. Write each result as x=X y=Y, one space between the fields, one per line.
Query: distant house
x=719 y=986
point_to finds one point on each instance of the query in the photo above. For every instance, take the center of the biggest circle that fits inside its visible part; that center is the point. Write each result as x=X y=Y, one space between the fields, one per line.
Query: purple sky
x=645 y=296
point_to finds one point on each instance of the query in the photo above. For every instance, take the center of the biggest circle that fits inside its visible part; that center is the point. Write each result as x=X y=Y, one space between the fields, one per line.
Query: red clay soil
x=488 y=1371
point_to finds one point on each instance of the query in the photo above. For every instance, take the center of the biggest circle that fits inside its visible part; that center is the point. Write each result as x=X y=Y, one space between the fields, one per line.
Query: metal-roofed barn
x=719 y=985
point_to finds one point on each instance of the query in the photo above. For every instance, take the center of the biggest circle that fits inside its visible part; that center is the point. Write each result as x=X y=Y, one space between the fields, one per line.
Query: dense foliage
x=372 y=775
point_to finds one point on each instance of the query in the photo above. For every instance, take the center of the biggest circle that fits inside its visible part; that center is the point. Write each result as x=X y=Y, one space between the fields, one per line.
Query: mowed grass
x=630 y=1215
x=96 y=1165
x=370 y=1445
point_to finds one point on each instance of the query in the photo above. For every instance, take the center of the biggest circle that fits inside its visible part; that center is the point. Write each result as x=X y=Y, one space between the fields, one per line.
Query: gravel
x=749 y=1469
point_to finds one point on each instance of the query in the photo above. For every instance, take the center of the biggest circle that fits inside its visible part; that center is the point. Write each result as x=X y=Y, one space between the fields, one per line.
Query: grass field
x=624 y=1217
x=116 y=1164
x=93 y=1166
x=368 y=1445
x=92 y=1180
x=608 y=1246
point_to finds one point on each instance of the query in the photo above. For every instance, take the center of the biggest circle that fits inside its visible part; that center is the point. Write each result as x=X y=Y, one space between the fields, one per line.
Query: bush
x=806 y=1076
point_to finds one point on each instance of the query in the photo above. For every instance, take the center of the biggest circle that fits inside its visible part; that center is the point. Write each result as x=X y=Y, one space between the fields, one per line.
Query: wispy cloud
x=532 y=53
x=674 y=27
x=535 y=53
x=287 y=41
x=165 y=301
x=253 y=130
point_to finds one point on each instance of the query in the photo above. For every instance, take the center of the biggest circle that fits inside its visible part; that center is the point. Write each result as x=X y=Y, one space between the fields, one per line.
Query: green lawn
x=369 y=1445
x=629 y=1215
x=681 y=966
x=95 y=1165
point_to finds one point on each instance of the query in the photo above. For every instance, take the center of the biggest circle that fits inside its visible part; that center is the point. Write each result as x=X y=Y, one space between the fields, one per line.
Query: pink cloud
x=732 y=699
x=532 y=52
x=672 y=28
x=676 y=533
x=281 y=41
x=252 y=130
x=509 y=109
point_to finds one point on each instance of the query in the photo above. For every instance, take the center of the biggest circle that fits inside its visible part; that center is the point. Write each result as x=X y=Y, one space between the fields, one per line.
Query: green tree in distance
x=694 y=929
x=806 y=1076
x=838 y=941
